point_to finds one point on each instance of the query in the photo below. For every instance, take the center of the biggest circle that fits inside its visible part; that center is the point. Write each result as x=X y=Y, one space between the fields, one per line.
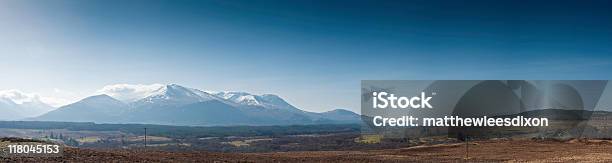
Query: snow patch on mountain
x=174 y=95
x=268 y=101
x=240 y=98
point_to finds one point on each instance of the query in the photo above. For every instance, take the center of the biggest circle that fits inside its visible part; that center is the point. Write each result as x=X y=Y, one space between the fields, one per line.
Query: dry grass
x=480 y=151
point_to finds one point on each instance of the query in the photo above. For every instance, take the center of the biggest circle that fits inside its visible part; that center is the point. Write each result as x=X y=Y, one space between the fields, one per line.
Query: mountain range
x=177 y=105
x=17 y=105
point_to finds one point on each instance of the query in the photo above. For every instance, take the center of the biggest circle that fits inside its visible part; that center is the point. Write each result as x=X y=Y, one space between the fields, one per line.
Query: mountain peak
x=239 y=97
x=268 y=101
x=271 y=96
x=173 y=90
x=174 y=87
x=342 y=115
x=101 y=98
x=174 y=95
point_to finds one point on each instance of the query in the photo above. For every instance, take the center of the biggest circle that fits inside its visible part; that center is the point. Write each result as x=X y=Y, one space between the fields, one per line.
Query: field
x=499 y=150
x=186 y=138
x=88 y=142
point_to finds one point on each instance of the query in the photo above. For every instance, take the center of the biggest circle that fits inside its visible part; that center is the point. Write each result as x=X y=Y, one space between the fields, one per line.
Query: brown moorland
x=479 y=151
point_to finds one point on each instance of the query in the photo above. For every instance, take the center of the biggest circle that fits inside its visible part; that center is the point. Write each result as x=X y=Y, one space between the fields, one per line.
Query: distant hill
x=100 y=108
x=15 y=105
x=177 y=105
x=562 y=114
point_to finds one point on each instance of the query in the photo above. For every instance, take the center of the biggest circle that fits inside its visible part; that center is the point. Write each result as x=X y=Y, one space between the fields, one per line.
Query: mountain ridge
x=173 y=104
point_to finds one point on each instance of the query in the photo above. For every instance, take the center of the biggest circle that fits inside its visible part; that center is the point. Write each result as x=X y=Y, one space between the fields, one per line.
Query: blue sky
x=312 y=53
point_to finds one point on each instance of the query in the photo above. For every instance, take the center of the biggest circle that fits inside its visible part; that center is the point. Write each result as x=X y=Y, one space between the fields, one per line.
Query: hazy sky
x=304 y=51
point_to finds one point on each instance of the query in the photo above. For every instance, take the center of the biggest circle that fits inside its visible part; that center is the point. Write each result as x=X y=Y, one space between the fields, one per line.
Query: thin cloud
x=20 y=97
x=129 y=92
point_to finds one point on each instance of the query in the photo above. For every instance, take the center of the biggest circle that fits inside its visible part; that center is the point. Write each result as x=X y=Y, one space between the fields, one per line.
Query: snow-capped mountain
x=209 y=95
x=177 y=105
x=239 y=97
x=268 y=101
x=15 y=105
x=173 y=95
